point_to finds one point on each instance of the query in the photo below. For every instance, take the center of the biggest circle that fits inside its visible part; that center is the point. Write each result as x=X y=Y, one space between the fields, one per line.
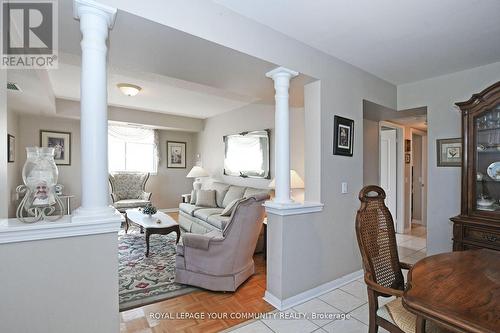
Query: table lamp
x=197 y=172
x=295 y=181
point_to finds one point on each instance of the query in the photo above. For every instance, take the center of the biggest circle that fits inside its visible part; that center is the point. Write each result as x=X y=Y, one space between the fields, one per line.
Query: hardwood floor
x=247 y=299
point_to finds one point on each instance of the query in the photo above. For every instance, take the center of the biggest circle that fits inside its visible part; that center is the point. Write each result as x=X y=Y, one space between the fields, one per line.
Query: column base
x=95 y=214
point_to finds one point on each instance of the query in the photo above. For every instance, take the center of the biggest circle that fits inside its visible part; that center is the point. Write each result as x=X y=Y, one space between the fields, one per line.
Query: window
x=132 y=149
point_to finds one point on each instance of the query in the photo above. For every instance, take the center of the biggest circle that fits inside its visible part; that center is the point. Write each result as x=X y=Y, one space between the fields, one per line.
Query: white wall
x=439 y=95
x=248 y=118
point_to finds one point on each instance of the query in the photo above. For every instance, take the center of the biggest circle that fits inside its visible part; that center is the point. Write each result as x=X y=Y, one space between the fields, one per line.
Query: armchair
x=383 y=275
x=222 y=261
x=128 y=190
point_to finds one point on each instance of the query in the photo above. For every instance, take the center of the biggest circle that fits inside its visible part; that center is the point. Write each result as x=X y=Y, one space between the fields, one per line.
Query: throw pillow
x=229 y=208
x=193 y=198
x=205 y=198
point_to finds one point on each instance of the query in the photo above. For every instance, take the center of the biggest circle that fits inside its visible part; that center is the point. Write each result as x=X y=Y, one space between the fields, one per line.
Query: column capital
x=280 y=72
x=89 y=6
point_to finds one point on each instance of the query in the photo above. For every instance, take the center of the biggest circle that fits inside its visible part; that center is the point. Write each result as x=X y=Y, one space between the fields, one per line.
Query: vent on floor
x=13 y=86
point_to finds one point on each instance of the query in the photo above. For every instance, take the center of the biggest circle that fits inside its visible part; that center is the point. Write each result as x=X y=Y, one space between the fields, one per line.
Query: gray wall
x=29 y=135
x=248 y=118
x=439 y=95
x=167 y=185
x=371 y=162
x=60 y=285
x=4 y=191
x=14 y=170
x=328 y=243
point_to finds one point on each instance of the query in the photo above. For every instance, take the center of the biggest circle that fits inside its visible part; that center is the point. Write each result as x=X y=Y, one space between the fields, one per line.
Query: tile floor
x=350 y=299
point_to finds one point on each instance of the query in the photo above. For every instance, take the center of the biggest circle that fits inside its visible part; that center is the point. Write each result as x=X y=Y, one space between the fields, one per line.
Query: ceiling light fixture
x=129 y=89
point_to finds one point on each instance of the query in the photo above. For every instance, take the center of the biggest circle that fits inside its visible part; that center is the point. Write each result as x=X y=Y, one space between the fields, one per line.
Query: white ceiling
x=399 y=41
x=159 y=93
x=180 y=74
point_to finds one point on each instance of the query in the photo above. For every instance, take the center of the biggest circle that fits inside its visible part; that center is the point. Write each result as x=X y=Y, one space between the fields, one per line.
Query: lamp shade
x=196 y=172
x=295 y=181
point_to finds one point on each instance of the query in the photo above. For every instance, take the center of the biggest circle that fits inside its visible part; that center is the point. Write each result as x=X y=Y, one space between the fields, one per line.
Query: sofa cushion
x=188 y=208
x=229 y=208
x=220 y=192
x=251 y=191
x=130 y=203
x=218 y=221
x=205 y=198
x=234 y=192
x=204 y=213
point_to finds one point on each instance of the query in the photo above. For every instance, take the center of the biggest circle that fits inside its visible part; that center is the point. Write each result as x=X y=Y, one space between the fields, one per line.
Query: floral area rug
x=144 y=280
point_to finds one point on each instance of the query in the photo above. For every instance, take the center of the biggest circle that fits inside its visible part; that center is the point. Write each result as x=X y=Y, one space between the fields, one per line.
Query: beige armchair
x=127 y=190
x=222 y=261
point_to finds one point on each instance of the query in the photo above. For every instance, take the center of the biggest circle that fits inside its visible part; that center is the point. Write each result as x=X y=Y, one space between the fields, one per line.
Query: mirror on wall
x=247 y=154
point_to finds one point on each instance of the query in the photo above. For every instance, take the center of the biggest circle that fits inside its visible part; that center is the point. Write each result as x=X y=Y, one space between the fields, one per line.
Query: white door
x=388 y=168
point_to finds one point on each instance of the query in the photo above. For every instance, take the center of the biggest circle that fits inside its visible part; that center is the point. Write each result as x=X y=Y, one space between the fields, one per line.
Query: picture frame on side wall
x=449 y=152
x=11 y=148
x=176 y=154
x=61 y=142
x=343 y=136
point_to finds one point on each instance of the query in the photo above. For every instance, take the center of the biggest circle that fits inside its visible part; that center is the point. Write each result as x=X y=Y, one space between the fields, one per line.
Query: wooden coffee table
x=458 y=290
x=160 y=224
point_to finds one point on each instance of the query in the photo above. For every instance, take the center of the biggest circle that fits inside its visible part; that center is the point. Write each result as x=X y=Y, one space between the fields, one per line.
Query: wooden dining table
x=459 y=291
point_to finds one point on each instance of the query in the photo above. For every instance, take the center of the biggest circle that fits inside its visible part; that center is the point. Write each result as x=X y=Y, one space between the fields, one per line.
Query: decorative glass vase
x=40 y=175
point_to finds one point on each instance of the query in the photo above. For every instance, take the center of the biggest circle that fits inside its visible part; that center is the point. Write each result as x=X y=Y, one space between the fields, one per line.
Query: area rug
x=146 y=280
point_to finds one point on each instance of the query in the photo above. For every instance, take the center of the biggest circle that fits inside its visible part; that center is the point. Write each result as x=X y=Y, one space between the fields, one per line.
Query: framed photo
x=407 y=145
x=61 y=142
x=11 y=148
x=343 y=136
x=449 y=152
x=176 y=154
x=407 y=158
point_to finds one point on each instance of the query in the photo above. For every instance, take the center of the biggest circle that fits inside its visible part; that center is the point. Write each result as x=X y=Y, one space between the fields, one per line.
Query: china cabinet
x=478 y=225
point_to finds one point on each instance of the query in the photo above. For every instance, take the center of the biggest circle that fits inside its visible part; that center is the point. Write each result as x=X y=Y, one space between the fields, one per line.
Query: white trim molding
x=13 y=231
x=170 y=210
x=311 y=293
x=292 y=208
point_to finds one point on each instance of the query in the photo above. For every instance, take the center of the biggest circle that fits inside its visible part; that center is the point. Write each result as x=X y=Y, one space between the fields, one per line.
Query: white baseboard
x=311 y=293
x=169 y=210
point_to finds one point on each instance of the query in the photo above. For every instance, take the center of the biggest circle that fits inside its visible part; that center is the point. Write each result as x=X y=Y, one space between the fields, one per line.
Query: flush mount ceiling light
x=129 y=89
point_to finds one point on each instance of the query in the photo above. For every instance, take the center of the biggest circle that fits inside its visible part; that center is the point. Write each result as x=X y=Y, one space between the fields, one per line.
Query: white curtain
x=136 y=134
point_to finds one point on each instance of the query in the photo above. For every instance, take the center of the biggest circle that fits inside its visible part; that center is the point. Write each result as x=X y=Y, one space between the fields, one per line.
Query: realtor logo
x=29 y=34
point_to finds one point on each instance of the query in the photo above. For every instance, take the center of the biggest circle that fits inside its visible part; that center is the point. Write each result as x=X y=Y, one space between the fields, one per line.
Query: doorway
x=391 y=170
x=419 y=177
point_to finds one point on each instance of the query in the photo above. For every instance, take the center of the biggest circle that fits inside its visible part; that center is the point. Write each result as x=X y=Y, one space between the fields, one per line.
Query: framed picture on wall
x=449 y=152
x=61 y=142
x=11 y=148
x=343 y=136
x=176 y=154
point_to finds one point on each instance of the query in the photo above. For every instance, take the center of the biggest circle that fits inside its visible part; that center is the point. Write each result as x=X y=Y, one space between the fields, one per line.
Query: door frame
x=425 y=165
x=400 y=199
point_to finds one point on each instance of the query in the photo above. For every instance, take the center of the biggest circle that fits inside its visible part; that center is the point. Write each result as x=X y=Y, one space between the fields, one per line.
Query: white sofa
x=200 y=220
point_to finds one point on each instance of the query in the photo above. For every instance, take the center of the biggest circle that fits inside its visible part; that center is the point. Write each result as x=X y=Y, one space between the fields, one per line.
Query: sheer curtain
x=136 y=134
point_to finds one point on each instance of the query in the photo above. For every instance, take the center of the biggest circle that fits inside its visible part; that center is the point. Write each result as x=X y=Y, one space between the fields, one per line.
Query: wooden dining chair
x=381 y=265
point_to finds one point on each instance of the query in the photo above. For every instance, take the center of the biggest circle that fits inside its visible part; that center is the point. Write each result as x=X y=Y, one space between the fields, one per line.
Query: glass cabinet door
x=487 y=161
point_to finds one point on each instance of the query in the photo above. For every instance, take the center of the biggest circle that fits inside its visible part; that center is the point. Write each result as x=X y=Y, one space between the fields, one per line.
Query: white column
x=281 y=77
x=95 y=21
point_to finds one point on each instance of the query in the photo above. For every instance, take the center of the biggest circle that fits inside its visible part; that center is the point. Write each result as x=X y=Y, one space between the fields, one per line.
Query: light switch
x=344 y=188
